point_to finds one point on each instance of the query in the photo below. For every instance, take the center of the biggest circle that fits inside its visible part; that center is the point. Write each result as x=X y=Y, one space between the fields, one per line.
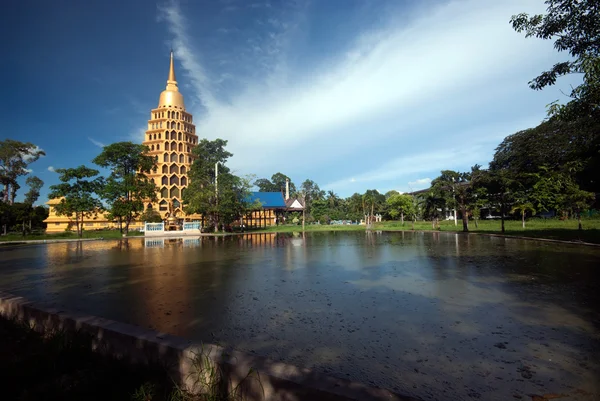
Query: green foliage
x=15 y=156
x=310 y=192
x=554 y=144
x=275 y=184
x=574 y=26
x=151 y=216
x=77 y=191
x=35 y=184
x=221 y=200
x=127 y=186
x=401 y=205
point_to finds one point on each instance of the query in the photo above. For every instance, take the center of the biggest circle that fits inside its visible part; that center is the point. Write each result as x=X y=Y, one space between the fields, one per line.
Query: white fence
x=158 y=229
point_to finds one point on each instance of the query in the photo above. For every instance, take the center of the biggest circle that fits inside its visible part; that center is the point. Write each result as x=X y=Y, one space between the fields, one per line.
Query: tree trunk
x=413 y=224
x=6 y=189
x=476 y=225
x=580 y=227
x=433 y=224
x=523 y=217
x=465 y=219
x=402 y=218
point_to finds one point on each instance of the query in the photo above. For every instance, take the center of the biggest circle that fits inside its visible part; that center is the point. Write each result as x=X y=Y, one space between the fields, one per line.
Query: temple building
x=171 y=137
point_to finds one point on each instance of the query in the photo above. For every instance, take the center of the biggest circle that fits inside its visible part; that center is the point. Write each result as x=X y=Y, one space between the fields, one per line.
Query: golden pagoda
x=171 y=136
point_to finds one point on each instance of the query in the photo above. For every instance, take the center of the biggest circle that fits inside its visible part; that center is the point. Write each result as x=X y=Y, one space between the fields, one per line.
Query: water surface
x=434 y=315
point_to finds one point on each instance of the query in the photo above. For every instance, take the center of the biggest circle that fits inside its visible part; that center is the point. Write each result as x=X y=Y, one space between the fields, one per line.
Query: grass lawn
x=535 y=228
x=69 y=235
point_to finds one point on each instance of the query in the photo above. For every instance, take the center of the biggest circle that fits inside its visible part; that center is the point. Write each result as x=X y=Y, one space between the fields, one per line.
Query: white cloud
x=96 y=143
x=28 y=157
x=420 y=183
x=389 y=86
x=138 y=135
x=51 y=169
x=28 y=170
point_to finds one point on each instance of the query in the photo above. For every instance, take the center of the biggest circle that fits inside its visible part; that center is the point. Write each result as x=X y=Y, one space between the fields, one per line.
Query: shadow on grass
x=62 y=366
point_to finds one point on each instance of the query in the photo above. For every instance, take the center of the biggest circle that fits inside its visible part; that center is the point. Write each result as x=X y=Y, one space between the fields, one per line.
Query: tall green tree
x=275 y=184
x=500 y=187
x=127 y=187
x=15 y=156
x=310 y=192
x=77 y=189
x=35 y=185
x=401 y=205
x=456 y=189
x=574 y=25
x=220 y=198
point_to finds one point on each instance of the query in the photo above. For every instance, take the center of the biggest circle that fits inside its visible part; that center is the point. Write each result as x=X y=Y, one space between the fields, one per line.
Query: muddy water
x=433 y=315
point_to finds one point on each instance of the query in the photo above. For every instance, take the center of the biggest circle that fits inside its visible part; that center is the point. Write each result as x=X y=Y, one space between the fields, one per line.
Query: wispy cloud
x=96 y=143
x=420 y=183
x=137 y=135
x=28 y=157
x=454 y=61
x=51 y=169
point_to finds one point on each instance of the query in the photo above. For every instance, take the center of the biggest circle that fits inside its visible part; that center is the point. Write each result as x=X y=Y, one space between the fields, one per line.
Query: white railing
x=194 y=225
x=155 y=243
x=154 y=227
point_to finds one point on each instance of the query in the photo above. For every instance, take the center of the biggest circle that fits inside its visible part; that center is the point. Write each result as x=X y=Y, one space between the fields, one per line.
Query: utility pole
x=454 y=197
x=217 y=196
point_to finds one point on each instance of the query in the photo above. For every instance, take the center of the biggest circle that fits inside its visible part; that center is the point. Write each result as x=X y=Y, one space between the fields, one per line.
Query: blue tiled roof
x=268 y=199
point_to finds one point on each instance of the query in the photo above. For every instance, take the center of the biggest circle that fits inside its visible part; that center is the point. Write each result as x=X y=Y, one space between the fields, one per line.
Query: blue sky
x=353 y=94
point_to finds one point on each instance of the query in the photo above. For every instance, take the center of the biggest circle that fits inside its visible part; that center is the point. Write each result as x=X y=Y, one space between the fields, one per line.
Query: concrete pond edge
x=269 y=381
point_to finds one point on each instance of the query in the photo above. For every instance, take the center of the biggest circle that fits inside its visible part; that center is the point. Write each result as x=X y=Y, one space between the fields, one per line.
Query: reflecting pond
x=432 y=315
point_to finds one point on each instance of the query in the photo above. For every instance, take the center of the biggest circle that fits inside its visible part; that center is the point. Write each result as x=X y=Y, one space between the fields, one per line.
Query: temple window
x=164 y=169
x=183 y=170
x=179 y=136
x=183 y=181
x=181 y=158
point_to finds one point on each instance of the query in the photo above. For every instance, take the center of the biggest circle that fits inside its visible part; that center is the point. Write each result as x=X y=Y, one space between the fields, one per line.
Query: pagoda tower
x=171 y=136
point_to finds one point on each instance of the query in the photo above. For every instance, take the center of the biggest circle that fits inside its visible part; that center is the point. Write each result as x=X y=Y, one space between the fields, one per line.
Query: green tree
x=151 y=216
x=77 y=189
x=456 y=190
x=310 y=192
x=401 y=205
x=275 y=184
x=265 y=185
x=500 y=187
x=35 y=184
x=127 y=186
x=220 y=199
x=15 y=156
x=554 y=144
x=574 y=25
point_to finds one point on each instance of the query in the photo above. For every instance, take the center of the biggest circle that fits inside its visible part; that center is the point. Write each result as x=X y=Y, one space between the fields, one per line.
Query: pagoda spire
x=172 y=70
x=172 y=81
